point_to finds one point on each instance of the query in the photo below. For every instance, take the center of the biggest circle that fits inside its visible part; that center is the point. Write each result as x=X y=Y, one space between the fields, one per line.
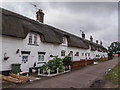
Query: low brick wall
x=81 y=63
x=91 y=61
x=76 y=64
x=101 y=59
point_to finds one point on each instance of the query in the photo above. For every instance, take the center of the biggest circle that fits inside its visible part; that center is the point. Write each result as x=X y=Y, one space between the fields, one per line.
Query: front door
x=25 y=63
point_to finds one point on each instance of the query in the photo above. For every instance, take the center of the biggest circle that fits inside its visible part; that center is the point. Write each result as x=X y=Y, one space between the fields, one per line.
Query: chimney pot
x=40 y=15
x=83 y=35
x=97 y=41
x=100 y=42
x=91 y=39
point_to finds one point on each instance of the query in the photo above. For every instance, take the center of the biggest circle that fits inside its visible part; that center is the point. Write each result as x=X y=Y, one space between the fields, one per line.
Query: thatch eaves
x=19 y=26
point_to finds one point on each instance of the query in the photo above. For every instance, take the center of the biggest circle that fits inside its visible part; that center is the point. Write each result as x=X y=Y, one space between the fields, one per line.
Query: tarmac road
x=81 y=78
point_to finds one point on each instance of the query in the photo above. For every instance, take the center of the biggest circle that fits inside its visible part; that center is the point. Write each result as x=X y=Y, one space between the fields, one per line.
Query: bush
x=67 y=60
x=53 y=65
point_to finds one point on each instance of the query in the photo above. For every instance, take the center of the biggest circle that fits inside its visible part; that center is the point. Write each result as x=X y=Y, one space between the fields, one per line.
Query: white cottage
x=26 y=41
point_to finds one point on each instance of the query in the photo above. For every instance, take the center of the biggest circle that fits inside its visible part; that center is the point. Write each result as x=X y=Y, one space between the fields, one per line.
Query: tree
x=114 y=48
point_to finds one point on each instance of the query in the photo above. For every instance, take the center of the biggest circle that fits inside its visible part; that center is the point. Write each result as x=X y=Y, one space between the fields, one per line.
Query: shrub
x=67 y=60
x=53 y=65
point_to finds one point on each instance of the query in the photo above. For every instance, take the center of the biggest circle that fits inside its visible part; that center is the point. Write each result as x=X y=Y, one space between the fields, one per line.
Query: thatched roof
x=19 y=26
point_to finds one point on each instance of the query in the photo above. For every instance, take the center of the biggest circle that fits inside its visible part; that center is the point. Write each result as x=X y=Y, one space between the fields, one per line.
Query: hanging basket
x=6 y=58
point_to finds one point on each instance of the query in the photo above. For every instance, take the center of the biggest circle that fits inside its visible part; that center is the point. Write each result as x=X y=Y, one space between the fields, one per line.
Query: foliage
x=67 y=60
x=53 y=65
x=114 y=48
x=113 y=75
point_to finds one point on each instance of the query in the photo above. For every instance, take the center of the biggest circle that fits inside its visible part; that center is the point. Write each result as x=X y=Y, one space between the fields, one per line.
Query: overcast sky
x=99 y=19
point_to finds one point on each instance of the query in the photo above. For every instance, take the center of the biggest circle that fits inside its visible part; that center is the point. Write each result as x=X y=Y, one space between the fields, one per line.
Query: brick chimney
x=40 y=15
x=97 y=41
x=91 y=39
x=100 y=42
x=83 y=35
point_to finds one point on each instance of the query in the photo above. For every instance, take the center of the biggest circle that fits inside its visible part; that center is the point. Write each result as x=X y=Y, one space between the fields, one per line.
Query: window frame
x=63 y=53
x=41 y=58
x=82 y=54
x=30 y=38
x=25 y=55
x=88 y=54
x=77 y=54
x=35 y=39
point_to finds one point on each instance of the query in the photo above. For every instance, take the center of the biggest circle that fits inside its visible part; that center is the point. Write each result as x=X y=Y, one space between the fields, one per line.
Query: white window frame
x=41 y=58
x=77 y=54
x=65 y=42
x=30 y=35
x=35 y=38
x=63 y=53
x=25 y=55
x=82 y=54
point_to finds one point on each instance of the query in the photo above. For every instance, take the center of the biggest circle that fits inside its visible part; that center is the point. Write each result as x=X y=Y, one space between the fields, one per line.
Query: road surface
x=81 y=78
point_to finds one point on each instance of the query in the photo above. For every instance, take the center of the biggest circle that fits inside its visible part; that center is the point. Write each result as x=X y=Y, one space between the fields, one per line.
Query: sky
x=99 y=19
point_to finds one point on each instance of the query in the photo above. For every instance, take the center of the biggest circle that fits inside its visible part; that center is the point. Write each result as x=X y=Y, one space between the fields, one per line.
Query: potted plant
x=33 y=69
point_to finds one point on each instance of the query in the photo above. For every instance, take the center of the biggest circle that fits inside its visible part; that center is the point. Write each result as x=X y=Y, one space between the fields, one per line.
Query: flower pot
x=6 y=58
x=95 y=62
x=33 y=70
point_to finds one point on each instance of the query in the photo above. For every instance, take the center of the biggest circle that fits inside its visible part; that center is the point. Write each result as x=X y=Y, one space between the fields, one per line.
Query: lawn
x=114 y=75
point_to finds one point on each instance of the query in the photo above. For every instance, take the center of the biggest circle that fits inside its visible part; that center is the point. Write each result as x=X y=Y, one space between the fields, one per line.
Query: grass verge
x=114 y=75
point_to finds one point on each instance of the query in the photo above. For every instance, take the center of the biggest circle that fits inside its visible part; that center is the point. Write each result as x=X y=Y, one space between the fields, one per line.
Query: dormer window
x=64 y=41
x=35 y=38
x=90 y=46
x=30 y=38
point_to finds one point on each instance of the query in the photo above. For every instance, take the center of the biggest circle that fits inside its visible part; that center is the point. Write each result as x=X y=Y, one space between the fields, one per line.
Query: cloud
x=97 y=19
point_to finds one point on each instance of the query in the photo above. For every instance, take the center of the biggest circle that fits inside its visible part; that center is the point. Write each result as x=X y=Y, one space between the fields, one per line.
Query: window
x=77 y=54
x=35 y=38
x=85 y=54
x=96 y=55
x=40 y=57
x=24 y=58
x=88 y=54
x=82 y=54
x=63 y=39
x=63 y=53
x=71 y=53
x=30 y=38
x=103 y=56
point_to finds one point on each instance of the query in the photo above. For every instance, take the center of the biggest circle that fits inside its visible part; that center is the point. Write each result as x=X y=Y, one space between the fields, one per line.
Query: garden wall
x=83 y=62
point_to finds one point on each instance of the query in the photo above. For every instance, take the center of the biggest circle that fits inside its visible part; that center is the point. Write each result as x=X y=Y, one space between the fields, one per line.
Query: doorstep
x=31 y=78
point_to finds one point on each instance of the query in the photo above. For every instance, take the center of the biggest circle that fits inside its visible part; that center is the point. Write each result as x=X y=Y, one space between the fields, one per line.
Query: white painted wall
x=0 y=52
x=11 y=44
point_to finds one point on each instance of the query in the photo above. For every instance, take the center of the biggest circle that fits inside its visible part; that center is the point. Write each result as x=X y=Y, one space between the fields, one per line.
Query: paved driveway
x=81 y=78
